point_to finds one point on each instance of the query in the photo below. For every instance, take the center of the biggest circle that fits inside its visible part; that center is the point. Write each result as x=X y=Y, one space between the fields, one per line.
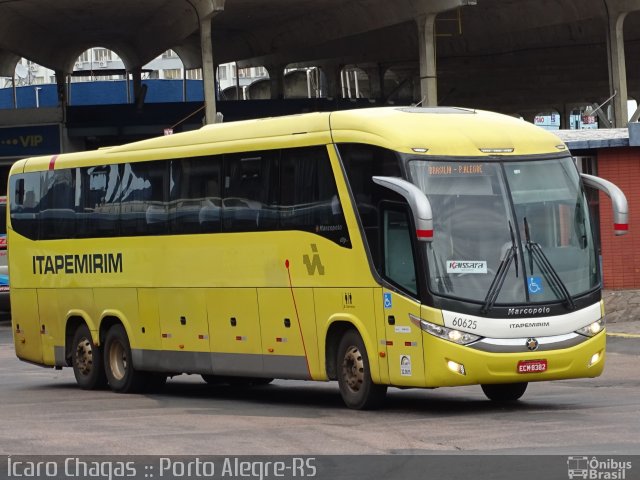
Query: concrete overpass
x=514 y=56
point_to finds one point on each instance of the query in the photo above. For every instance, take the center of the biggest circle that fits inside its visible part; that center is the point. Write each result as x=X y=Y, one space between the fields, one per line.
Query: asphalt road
x=42 y=411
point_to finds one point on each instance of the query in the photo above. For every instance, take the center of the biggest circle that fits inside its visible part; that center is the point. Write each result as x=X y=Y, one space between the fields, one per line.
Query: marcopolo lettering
x=70 y=264
x=529 y=311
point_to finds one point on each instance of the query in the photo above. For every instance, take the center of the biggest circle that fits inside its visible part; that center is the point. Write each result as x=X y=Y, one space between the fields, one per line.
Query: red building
x=613 y=154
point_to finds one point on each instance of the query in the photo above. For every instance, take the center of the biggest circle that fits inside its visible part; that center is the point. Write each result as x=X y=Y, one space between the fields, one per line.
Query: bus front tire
x=504 y=392
x=118 y=365
x=354 y=375
x=86 y=359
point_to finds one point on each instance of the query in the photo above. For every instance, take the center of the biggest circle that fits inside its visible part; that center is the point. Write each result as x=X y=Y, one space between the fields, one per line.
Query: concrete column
x=184 y=84
x=136 y=77
x=617 y=68
x=276 y=80
x=427 y=51
x=426 y=11
x=15 y=92
x=376 y=82
x=332 y=75
x=61 y=88
x=208 y=75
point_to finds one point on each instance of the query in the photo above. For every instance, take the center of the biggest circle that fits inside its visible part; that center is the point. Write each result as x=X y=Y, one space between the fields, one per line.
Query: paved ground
x=622 y=309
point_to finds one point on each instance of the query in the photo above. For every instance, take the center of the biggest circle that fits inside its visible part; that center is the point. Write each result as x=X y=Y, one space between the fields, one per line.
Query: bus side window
x=195 y=202
x=25 y=204
x=144 y=208
x=399 y=262
x=98 y=209
x=247 y=190
x=361 y=163
x=57 y=205
x=308 y=198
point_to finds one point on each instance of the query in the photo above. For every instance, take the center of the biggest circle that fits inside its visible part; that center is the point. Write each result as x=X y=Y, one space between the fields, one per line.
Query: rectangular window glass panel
x=195 y=205
x=246 y=192
x=309 y=197
x=98 y=199
x=57 y=205
x=25 y=203
x=144 y=210
x=399 y=264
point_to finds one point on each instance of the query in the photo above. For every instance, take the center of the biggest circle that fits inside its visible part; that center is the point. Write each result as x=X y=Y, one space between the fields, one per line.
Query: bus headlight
x=455 y=336
x=591 y=329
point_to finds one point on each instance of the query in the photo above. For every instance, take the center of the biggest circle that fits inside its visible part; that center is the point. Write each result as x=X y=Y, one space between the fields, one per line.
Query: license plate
x=532 y=366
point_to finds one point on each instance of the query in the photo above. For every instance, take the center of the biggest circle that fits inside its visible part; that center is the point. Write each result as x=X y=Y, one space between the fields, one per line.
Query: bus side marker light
x=270 y=350
x=382 y=354
x=181 y=347
x=456 y=367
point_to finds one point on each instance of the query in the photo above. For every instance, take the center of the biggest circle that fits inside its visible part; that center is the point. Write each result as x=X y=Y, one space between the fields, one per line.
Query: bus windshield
x=507 y=232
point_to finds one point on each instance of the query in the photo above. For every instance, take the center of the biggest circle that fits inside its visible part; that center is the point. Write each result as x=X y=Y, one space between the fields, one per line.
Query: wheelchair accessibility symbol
x=387 y=300
x=535 y=285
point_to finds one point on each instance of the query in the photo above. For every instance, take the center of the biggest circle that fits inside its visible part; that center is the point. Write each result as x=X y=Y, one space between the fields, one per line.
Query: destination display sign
x=455 y=169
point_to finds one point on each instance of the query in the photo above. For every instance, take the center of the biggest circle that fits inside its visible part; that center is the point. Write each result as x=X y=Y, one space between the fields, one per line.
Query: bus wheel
x=86 y=358
x=504 y=392
x=121 y=375
x=354 y=375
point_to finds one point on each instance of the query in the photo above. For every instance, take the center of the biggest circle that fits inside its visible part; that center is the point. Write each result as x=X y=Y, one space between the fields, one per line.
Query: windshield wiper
x=536 y=253
x=496 y=285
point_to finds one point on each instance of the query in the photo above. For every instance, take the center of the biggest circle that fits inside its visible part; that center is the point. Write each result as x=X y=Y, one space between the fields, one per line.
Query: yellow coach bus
x=408 y=247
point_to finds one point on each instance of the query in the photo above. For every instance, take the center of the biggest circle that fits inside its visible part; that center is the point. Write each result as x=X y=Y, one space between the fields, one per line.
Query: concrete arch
x=8 y=62
x=259 y=89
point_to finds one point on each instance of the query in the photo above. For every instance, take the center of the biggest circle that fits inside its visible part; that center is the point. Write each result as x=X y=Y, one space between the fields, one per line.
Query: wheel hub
x=84 y=357
x=353 y=368
x=118 y=360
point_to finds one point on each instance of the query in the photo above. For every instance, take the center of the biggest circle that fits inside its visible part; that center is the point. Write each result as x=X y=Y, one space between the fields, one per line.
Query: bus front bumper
x=449 y=364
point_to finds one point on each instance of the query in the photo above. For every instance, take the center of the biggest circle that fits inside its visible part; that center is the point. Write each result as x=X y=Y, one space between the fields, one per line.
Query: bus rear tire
x=118 y=365
x=504 y=392
x=86 y=359
x=354 y=374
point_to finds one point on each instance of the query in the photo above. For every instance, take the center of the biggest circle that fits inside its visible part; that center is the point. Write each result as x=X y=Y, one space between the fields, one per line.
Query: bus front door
x=403 y=339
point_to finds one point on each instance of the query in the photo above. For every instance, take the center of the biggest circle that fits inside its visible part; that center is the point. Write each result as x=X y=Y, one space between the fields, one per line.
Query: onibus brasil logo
x=597 y=469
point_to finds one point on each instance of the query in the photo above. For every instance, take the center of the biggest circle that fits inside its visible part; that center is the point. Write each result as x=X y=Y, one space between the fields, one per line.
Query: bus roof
x=444 y=131
x=437 y=131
